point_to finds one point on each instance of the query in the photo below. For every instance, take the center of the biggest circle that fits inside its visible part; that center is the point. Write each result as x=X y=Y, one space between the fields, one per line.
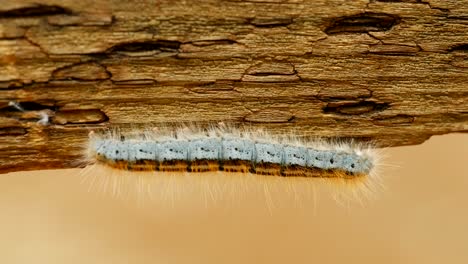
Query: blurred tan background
x=421 y=216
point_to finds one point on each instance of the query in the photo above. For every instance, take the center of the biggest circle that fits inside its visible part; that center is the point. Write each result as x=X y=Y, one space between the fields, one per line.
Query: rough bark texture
x=395 y=72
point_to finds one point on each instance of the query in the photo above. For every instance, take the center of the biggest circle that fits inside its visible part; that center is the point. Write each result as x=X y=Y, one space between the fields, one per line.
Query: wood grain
x=394 y=72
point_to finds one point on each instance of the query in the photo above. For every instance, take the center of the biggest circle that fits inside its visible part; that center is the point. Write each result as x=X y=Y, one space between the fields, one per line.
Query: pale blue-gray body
x=295 y=155
x=173 y=150
x=244 y=149
x=268 y=153
x=143 y=150
x=237 y=149
x=204 y=149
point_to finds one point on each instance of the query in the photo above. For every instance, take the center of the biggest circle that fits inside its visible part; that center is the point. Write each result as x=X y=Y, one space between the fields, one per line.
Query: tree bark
x=394 y=72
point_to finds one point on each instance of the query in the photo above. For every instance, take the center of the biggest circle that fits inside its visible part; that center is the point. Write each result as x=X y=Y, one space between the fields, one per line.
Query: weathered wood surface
x=395 y=72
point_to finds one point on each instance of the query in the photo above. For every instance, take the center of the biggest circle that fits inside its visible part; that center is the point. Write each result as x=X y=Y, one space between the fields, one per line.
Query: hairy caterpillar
x=227 y=150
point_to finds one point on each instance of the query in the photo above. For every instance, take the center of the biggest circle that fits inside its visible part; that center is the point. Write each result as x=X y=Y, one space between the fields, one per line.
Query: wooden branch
x=395 y=72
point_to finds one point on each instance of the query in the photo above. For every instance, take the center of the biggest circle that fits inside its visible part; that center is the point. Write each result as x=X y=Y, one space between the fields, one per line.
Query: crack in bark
x=271 y=72
x=212 y=87
x=400 y=119
x=355 y=108
x=270 y=22
x=80 y=116
x=35 y=10
x=27 y=111
x=459 y=48
x=35 y=111
x=82 y=71
x=11 y=85
x=149 y=46
x=30 y=41
x=30 y=106
x=362 y=23
x=204 y=43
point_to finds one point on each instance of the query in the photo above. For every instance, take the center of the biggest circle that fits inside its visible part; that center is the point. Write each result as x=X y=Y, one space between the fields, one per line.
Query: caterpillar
x=221 y=149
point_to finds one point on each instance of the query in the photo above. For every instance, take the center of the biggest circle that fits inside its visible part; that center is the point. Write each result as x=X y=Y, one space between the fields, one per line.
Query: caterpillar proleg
x=222 y=149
